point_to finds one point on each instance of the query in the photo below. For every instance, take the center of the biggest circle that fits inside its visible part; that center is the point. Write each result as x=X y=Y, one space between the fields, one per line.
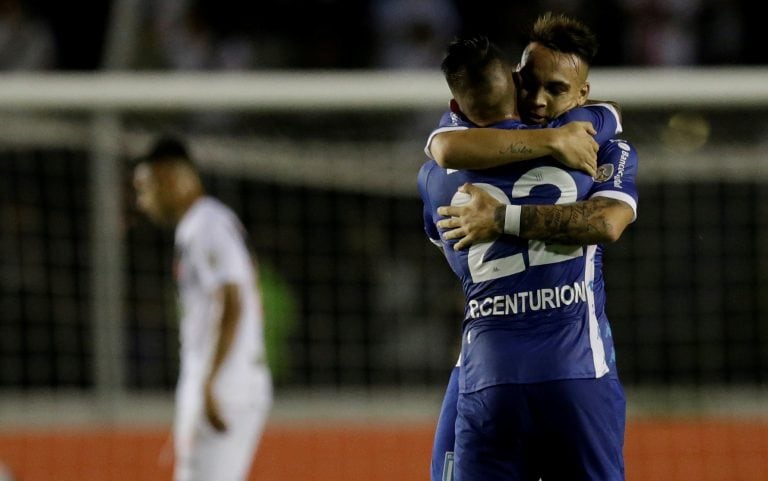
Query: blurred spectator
x=352 y=34
x=220 y=35
x=186 y=38
x=662 y=32
x=26 y=41
x=195 y=35
x=412 y=34
x=507 y=22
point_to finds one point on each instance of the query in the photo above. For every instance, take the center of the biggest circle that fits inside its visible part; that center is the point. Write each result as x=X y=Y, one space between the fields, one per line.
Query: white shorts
x=203 y=454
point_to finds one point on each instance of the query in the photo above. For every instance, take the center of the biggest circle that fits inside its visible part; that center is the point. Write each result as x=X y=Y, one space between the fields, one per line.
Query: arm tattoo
x=578 y=223
x=517 y=148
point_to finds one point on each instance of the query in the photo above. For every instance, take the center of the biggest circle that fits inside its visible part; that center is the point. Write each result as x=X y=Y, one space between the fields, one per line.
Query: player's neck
x=186 y=203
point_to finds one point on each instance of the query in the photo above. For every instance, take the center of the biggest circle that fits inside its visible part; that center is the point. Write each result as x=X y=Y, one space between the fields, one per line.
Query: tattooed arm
x=597 y=220
x=481 y=148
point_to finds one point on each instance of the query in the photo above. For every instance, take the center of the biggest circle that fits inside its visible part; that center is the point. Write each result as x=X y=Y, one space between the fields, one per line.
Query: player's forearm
x=230 y=316
x=484 y=148
x=598 y=220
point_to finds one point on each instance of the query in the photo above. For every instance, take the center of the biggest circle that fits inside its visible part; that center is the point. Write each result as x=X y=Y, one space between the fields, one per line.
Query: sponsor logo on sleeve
x=618 y=179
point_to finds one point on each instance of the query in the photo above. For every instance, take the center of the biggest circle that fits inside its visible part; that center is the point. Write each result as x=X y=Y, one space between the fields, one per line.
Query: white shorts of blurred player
x=203 y=454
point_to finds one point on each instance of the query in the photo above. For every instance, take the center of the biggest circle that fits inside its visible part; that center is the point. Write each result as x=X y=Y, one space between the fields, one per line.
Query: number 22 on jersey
x=539 y=253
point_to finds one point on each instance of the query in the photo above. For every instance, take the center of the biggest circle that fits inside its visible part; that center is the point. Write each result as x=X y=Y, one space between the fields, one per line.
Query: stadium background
x=319 y=160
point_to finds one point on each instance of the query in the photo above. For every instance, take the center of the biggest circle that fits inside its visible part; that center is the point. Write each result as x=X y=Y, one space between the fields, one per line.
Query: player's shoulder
x=603 y=116
x=617 y=145
x=211 y=213
x=586 y=112
x=602 y=108
x=213 y=209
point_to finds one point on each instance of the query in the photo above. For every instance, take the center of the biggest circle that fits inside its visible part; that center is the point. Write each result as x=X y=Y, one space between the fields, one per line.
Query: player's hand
x=473 y=221
x=575 y=146
x=212 y=413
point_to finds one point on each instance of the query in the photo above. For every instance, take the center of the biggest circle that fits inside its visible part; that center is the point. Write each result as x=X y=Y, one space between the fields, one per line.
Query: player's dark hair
x=467 y=60
x=565 y=34
x=168 y=148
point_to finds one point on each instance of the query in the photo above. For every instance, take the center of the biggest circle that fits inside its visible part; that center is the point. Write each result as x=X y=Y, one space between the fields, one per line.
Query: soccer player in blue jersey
x=538 y=355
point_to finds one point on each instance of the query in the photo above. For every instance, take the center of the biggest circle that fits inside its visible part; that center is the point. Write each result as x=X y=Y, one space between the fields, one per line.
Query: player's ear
x=185 y=180
x=454 y=105
x=583 y=93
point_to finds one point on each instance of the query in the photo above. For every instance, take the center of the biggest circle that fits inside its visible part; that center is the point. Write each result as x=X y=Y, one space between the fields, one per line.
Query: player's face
x=151 y=199
x=549 y=83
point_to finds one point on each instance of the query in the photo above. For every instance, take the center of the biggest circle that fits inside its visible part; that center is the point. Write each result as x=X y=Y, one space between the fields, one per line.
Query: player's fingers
x=587 y=126
x=216 y=422
x=221 y=425
x=448 y=210
x=468 y=188
x=462 y=243
x=454 y=233
x=448 y=223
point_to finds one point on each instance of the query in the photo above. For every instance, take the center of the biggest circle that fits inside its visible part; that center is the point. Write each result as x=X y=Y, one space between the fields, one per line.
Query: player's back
x=529 y=312
x=509 y=264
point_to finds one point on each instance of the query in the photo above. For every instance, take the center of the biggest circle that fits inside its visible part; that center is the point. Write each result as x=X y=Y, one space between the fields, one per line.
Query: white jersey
x=211 y=252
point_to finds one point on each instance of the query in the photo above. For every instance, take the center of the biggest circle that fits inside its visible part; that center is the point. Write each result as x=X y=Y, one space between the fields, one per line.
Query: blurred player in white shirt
x=224 y=391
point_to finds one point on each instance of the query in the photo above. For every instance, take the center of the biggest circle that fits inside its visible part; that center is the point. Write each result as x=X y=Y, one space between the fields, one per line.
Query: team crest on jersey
x=604 y=172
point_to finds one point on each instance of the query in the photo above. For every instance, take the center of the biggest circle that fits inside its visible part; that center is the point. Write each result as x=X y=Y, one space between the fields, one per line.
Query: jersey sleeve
x=616 y=178
x=448 y=122
x=429 y=225
x=603 y=117
x=217 y=246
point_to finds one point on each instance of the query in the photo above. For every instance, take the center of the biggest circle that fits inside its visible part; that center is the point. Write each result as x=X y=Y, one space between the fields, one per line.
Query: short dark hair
x=167 y=148
x=562 y=33
x=467 y=60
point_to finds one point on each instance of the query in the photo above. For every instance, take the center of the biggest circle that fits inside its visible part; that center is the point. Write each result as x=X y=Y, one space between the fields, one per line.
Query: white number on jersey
x=539 y=253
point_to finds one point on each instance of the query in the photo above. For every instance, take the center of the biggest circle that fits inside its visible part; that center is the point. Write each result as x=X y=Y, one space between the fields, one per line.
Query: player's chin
x=533 y=119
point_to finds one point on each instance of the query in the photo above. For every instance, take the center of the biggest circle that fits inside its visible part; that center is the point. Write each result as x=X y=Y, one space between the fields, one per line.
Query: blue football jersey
x=534 y=311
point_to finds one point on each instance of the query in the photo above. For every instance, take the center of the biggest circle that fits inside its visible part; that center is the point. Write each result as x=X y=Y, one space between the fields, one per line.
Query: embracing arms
x=479 y=148
x=572 y=139
x=483 y=218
